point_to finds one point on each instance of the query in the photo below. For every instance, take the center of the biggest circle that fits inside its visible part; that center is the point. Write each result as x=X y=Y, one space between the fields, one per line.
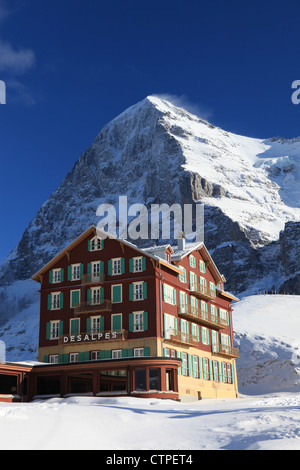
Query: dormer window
x=95 y=244
x=168 y=256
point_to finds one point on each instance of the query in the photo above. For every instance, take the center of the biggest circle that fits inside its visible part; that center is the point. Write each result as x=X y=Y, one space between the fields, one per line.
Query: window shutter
x=223 y=372
x=164 y=292
x=80 y=356
x=69 y=273
x=182 y=367
x=200 y=368
x=46 y=359
x=102 y=354
x=145 y=290
x=62 y=275
x=61 y=300
x=48 y=329
x=81 y=271
x=109 y=267
x=61 y=328
x=49 y=301
x=197 y=333
x=101 y=295
x=88 y=325
x=89 y=296
x=108 y=354
x=89 y=245
x=179 y=367
x=116 y=322
x=145 y=321
x=204 y=369
x=116 y=293
x=65 y=358
x=174 y=296
x=122 y=265
x=130 y=291
x=147 y=351
x=102 y=243
x=102 y=267
x=144 y=263
x=74 y=298
x=207 y=336
x=189 y=365
x=89 y=268
x=130 y=352
x=51 y=276
x=131 y=322
x=124 y=352
x=131 y=265
x=102 y=323
x=86 y=355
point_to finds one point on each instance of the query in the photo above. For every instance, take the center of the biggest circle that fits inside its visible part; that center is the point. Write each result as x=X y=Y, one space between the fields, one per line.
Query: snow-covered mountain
x=155 y=152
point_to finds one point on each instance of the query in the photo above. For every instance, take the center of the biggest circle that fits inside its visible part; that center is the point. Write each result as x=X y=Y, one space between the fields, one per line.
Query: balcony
x=180 y=337
x=94 y=337
x=203 y=291
x=93 y=279
x=226 y=351
x=93 y=306
x=201 y=316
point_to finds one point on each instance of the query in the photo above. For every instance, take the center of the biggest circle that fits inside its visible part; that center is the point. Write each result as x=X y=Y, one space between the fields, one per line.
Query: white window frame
x=75 y=272
x=53 y=359
x=138 y=321
x=169 y=294
x=56 y=276
x=116 y=353
x=95 y=324
x=185 y=363
x=95 y=355
x=195 y=362
x=55 y=300
x=138 y=352
x=137 y=264
x=95 y=299
x=116 y=270
x=74 y=357
x=74 y=290
x=54 y=329
x=205 y=335
x=138 y=294
x=95 y=244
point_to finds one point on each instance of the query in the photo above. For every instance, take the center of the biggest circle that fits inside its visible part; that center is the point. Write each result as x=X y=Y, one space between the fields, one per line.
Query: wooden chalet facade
x=119 y=320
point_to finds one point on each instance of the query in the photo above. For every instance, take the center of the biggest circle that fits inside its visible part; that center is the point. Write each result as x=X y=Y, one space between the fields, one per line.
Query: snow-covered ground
x=265 y=417
x=85 y=423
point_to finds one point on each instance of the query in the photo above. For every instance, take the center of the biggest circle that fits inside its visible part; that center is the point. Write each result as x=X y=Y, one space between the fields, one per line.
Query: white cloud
x=183 y=101
x=13 y=60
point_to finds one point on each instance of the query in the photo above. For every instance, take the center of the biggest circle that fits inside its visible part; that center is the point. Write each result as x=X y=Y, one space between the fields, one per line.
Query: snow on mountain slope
x=266 y=330
x=259 y=179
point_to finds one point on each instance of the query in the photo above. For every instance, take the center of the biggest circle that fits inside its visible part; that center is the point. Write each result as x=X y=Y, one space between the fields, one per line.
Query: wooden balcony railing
x=94 y=305
x=175 y=336
x=225 y=351
x=201 y=316
x=202 y=291
x=93 y=278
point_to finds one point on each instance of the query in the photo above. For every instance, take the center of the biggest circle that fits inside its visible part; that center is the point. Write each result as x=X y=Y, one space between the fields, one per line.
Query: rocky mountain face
x=157 y=153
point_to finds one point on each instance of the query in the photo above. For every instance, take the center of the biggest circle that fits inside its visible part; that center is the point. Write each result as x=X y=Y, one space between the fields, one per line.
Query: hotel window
x=214 y=311
x=54 y=331
x=56 y=276
x=224 y=315
x=154 y=379
x=74 y=298
x=116 y=293
x=55 y=301
x=137 y=264
x=203 y=284
x=53 y=359
x=116 y=266
x=138 y=291
x=74 y=326
x=138 y=321
x=182 y=276
x=75 y=272
x=95 y=355
x=140 y=379
x=138 y=352
x=170 y=323
x=184 y=366
x=204 y=335
x=116 y=354
x=192 y=261
x=193 y=281
x=94 y=296
x=216 y=371
x=196 y=367
x=95 y=244
x=212 y=288
x=169 y=294
x=206 y=371
x=202 y=267
x=225 y=340
x=96 y=324
x=116 y=322
x=74 y=357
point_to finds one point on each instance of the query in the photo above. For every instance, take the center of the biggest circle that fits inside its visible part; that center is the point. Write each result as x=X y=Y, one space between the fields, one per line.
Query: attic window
x=95 y=244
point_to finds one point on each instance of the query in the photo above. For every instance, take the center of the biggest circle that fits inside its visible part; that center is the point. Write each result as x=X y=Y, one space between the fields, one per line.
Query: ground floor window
x=154 y=379
x=140 y=379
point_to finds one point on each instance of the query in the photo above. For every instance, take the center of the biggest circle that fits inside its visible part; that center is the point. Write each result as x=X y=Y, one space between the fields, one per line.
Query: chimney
x=181 y=241
x=2 y=352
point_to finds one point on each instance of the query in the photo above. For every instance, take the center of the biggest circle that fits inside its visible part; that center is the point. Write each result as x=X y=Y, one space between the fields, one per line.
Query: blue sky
x=70 y=66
